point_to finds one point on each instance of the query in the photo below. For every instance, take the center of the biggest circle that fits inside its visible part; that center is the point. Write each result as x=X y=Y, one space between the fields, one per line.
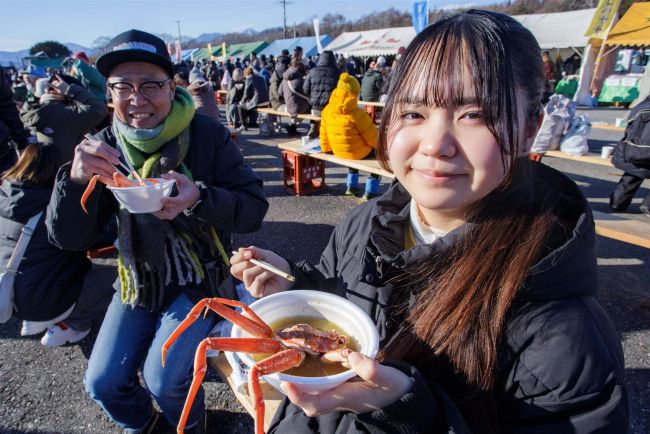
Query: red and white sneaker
x=61 y=334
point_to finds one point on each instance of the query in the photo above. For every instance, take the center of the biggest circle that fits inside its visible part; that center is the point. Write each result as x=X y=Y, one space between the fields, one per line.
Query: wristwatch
x=191 y=210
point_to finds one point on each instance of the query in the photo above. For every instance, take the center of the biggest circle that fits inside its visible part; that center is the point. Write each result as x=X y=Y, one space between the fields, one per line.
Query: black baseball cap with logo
x=135 y=46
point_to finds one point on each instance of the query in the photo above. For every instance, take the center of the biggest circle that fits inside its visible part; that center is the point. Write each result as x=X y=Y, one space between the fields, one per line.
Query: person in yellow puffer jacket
x=348 y=132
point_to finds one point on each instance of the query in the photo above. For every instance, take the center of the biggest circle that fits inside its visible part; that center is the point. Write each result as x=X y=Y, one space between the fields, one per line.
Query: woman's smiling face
x=446 y=157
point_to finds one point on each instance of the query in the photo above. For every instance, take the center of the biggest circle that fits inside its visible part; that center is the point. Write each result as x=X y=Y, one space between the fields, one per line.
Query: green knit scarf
x=143 y=146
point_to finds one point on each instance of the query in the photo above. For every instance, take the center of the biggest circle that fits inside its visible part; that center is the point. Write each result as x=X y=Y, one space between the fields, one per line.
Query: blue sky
x=25 y=22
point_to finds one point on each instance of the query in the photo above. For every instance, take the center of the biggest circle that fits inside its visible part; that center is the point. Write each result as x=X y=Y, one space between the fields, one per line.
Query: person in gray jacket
x=256 y=94
x=67 y=112
x=477 y=266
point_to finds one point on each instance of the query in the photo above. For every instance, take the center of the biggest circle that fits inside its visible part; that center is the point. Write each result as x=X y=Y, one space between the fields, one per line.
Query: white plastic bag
x=558 y=117
x=6 y=296
x=575 y=140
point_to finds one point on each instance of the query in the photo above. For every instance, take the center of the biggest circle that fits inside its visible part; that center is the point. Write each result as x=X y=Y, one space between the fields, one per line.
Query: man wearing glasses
x=163 y=256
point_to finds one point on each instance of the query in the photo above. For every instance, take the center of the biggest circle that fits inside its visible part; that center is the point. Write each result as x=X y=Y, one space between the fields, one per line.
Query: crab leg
x=278 y=362
x=254 y=325
x=91 y=186
x=245 y=345
x=120 y=180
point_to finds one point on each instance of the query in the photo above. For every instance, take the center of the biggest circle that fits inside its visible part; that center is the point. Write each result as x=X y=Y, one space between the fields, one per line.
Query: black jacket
x=49 y=279
x=11 y=127
x=321 y=80
x=232 y=199
x=560 y=366
x=618 y=158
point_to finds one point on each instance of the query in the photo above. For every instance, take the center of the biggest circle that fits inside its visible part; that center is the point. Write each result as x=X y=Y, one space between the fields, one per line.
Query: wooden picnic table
x=368 y=166
x=272 y=397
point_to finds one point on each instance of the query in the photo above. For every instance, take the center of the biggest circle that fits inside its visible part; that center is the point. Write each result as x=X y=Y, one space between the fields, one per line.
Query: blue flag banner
x=420 y=15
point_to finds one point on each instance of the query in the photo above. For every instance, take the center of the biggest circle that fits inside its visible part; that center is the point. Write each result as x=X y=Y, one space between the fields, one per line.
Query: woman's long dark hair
x=465 y=292
x=37 y=166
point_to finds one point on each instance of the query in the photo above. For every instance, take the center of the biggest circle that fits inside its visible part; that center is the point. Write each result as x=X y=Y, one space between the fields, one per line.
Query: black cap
x=135 y=46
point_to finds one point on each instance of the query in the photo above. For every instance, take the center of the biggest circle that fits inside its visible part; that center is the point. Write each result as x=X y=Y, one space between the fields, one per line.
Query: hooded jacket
x=40 y=294
x=345 y=129
x=560 y=367
x=293 y=80
x=63 y=124
x=371 y=85
x=203 y=97
x=321 y=80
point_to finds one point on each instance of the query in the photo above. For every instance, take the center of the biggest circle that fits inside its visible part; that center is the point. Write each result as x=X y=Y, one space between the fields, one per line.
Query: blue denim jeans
x=131 y=338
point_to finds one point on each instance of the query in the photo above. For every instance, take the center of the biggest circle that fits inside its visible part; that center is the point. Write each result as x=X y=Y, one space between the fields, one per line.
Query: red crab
x=287 y=349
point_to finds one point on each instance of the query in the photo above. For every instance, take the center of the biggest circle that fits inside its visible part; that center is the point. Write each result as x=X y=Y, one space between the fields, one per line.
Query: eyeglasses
x=148 y=89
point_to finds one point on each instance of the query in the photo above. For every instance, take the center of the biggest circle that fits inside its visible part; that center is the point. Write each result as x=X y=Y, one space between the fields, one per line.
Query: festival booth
x=631 y=35
x=308 y=43
x=561 y=33
x=242 y=51
x=371 y=43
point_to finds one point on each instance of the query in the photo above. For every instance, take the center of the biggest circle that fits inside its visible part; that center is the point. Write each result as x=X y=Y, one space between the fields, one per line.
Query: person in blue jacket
x=477 y=265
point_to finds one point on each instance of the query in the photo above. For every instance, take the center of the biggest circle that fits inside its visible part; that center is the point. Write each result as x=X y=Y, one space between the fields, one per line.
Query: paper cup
x=606 y=152
x=305 y=140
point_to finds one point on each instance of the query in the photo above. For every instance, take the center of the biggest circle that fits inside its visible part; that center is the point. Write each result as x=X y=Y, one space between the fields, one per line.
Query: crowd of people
x=518 y=345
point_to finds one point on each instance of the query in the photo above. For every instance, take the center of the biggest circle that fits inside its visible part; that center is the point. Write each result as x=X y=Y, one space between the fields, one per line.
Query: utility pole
x=178 y=23
x=284 y=4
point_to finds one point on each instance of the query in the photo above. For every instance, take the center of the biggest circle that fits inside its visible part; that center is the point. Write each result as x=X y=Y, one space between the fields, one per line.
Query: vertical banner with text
x=178 y=50
x=420 y=15
x=319 y=47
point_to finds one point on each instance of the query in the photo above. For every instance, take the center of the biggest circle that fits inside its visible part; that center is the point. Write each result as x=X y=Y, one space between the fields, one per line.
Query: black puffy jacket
x=40 y=294
x=321 y=80
x=560 y=366
x=618 y=158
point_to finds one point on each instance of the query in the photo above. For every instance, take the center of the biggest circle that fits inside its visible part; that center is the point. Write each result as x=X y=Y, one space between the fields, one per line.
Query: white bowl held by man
x=303 y=303
x=144 y=198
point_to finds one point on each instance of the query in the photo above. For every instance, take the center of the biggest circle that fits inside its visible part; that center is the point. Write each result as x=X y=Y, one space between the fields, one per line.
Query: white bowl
x=342 y=312
x=143 y=198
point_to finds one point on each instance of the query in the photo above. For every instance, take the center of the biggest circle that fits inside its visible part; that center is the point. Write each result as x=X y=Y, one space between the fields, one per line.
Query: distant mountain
x=8 y=58
x=204 y=38
x=250 y=31
x=76 y=47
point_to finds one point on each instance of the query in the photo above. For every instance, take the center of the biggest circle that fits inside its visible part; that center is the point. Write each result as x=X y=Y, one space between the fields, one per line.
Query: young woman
x=48 y=302
x=477 y=266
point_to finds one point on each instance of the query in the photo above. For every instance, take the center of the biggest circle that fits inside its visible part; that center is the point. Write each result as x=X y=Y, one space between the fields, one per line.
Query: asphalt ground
x=41 y=389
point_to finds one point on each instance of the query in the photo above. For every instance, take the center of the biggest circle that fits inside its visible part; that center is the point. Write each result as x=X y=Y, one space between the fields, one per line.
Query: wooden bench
x=272 y=127
x=302 y=176
x=619 y=228
x=593 y=159
x=272 y=397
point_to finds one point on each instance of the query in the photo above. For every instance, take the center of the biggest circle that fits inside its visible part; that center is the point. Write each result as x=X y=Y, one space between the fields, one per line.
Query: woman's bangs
x=442 y=81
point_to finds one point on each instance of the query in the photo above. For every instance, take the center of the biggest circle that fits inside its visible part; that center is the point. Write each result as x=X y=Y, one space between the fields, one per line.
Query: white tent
x=560 y=29
x=369 y=43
